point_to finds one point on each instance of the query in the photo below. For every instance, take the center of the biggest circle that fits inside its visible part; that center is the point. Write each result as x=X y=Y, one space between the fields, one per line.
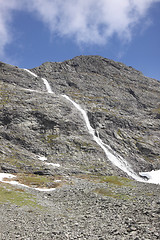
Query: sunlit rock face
x=57 y=181
x=121 y=103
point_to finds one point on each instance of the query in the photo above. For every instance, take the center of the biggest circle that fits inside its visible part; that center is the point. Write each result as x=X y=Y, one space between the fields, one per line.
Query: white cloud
x=87 y=21
x=91 y=21
x=6 y=10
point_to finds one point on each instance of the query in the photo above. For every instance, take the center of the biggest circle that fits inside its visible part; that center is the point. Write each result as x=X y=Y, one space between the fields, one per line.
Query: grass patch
x=83 y=145
x=105 y=110
x=156 y=110
x=4 y=95
x=120 y=181
x=88 y=167
x=17 y=197
x=37 y=181
x=50 y=138
x=12 y=160
x=19 y=162
x=110 y=193
x=119 y=132
x=116 y=180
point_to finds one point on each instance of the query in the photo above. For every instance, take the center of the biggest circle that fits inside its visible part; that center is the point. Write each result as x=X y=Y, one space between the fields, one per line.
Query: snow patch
x=33 y=74
x=6 y=175
x=42 y=158
x=153 y=176
x=16 y=183
x=57 y=180
x=53 y=164
x=44 y=189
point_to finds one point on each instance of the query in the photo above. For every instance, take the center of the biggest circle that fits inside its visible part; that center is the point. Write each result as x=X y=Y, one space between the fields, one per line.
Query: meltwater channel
x=117 y=160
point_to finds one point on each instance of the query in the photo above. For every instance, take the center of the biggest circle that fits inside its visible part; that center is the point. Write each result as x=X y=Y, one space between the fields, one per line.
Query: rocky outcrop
x=122 y=104
x=123 y=107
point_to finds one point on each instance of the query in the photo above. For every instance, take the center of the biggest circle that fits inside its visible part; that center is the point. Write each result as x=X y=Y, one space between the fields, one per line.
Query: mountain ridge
x=123 y=107
x=123 y=85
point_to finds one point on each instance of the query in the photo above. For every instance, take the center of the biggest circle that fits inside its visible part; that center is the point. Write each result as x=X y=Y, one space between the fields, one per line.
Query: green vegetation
x=89 y=167
x=34 y=180
x=119 y=133
x=156 y=110
x=50 y=138
x=18 y=161
x=110 y=193
x=105 y=110
x=12 y=161
x=118 y=181
x=4 y=95
x=17 y=197
x=76 y=95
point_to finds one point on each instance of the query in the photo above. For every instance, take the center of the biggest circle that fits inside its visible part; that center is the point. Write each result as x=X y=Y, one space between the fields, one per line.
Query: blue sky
x=36 y=31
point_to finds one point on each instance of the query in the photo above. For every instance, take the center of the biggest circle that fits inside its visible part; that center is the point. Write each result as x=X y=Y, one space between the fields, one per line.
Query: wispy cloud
x=6 y=37
x=92 y=21
x=85 y=21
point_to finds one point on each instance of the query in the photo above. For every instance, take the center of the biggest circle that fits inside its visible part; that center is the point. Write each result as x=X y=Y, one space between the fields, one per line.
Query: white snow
x=32 y=90
x=44 y=189
x=153 y=176
x=57 y=180
x=6 y=175
x=33 y=74
x=10 y=176
x=53 y=164
x=42 y=158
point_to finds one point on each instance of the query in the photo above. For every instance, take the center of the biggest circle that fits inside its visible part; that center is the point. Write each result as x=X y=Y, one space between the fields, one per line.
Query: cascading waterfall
x=49 y=90
x=111 y=155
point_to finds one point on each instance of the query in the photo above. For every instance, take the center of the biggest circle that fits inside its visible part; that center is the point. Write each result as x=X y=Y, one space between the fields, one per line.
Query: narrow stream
x=118 y=161
x=113 y=157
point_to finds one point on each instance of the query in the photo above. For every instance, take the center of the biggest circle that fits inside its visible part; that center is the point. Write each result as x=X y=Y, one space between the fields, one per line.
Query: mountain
x=45 y=142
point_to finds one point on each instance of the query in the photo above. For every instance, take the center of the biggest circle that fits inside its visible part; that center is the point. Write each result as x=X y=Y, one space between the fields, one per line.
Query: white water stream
x=49 y=90
x=116 y=160
x=111 y=155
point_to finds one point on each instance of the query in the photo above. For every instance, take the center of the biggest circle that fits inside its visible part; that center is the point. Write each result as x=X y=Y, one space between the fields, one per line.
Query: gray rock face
x=123 y=106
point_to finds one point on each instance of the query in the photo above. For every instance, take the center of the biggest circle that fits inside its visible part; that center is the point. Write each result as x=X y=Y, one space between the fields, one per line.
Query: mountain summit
x=91 y=124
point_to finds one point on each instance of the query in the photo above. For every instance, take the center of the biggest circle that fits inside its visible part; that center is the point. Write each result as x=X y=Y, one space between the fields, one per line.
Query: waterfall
x=49 y=90
x=47 y=85
x=111 y=155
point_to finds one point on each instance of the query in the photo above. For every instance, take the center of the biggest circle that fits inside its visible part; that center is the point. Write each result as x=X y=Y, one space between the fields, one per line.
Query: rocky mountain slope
x=95 y=199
